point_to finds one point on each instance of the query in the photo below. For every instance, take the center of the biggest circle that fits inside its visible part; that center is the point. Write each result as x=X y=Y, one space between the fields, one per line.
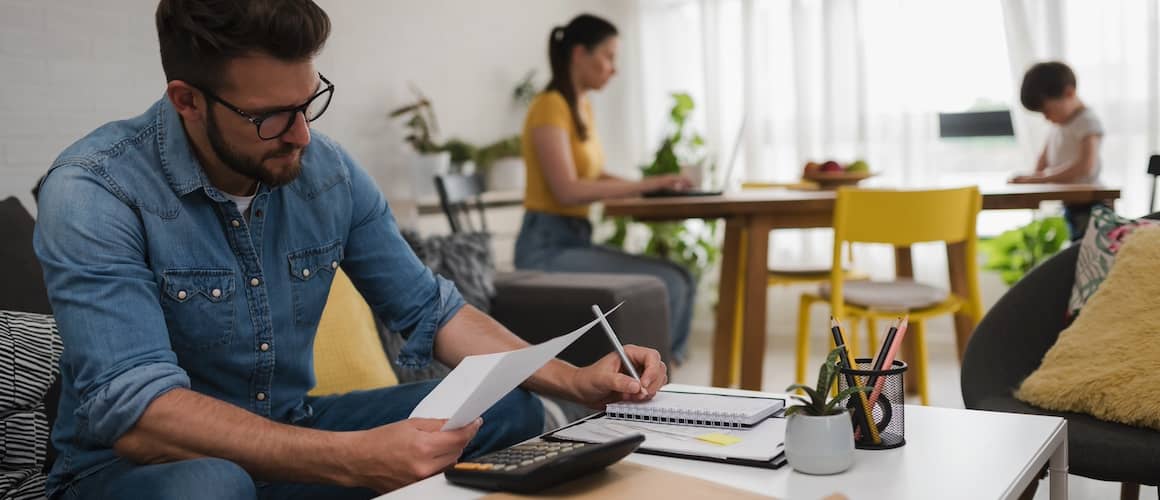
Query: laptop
x=672 y=193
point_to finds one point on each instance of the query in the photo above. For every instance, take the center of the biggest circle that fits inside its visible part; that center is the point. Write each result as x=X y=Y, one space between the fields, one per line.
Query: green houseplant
x=1015 y=252
x=819 y=436
x=693 y=243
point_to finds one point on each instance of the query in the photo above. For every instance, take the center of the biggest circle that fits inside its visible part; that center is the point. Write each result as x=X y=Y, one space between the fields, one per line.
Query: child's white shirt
x=1064 y=143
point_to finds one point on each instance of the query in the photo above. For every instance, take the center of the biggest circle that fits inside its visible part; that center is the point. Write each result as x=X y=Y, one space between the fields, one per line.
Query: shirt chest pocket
x=311 y=273
x=199 y=307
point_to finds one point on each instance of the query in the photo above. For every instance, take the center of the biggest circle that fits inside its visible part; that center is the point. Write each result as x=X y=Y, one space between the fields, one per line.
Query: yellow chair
x=901 y=219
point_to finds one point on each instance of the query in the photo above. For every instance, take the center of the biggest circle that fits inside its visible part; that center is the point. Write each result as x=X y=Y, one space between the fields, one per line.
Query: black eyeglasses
x=276 y=123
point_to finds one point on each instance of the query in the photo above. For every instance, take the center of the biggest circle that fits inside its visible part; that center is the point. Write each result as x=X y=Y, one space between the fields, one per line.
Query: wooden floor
x=944 y=373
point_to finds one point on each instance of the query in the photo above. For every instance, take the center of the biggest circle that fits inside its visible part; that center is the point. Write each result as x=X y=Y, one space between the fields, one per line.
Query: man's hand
x=395 y=455
x=602 y=382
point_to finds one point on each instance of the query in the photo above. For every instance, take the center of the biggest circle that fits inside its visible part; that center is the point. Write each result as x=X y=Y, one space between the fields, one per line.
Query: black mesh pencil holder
x=887 y=403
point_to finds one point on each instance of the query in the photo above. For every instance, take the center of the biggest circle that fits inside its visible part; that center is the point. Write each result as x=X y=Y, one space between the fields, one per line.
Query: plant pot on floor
x=819 y=445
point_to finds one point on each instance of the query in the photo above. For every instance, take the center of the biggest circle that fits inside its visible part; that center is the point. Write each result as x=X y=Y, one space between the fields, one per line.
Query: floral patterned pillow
x=1105 y=235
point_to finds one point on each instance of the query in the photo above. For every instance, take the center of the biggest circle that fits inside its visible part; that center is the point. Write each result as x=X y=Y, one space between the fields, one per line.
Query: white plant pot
x=424 y=168
x=507 y=174
x=819 y=445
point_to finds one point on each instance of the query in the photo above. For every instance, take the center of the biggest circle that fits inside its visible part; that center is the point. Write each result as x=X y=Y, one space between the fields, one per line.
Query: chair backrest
x=902 y=218
x=456 y=195
x=1154 y=171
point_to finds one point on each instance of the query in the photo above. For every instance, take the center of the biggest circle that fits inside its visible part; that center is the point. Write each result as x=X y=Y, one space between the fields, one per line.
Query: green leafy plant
x=679 y=144
x=1015 y=252
x=816 y=402
x=422 y=129
x=692 y=243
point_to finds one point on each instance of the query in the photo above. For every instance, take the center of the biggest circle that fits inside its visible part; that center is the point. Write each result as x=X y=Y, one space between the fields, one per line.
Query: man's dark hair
x=1046 y=80
x=198 y=37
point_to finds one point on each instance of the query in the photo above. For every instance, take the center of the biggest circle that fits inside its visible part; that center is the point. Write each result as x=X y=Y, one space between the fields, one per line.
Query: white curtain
x=1112 y=46
x=815 y=80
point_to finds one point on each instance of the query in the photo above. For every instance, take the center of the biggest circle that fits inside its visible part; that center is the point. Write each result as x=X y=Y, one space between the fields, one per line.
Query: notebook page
x=762 y=442
x=701 y=406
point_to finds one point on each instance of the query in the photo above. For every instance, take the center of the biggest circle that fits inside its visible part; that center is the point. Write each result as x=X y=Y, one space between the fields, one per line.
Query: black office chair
x=1154 y=171
x=457 y=194
x=1010 y=343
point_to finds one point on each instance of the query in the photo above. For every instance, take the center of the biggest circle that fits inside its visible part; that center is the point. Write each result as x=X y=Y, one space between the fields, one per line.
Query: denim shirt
x=157 y=282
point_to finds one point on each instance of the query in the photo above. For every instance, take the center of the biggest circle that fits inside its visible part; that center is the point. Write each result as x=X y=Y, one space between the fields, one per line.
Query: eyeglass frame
x=259 y=119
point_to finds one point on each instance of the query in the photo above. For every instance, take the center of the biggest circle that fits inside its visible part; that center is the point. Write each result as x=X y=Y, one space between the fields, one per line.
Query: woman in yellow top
x=565 y=174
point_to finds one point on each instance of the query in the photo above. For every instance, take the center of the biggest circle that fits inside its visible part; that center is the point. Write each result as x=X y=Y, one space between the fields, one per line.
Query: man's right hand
x=395 y=455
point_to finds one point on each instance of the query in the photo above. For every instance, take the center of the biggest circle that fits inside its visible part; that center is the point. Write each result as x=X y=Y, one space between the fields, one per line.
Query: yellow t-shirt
x=550 y=109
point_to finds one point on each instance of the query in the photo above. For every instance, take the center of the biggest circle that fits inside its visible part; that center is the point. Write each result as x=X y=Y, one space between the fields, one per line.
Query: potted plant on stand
x=430 y=158
x=819 y=435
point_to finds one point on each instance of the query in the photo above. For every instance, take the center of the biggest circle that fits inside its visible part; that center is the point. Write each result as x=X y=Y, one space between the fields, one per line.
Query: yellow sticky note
x=719 y=439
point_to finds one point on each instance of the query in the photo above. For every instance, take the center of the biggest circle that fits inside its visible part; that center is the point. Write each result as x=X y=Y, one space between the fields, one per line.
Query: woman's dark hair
x=1046 y=80
x=585 y=30
x=198 y=37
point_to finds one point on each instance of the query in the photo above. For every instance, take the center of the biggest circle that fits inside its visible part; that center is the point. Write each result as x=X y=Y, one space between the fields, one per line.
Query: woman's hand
x=672 y=182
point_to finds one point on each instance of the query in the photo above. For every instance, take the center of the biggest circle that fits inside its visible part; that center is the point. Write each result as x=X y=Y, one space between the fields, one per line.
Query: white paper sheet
x=482 y=380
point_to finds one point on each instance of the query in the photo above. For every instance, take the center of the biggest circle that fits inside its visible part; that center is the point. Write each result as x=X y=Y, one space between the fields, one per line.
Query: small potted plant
x=819 y=436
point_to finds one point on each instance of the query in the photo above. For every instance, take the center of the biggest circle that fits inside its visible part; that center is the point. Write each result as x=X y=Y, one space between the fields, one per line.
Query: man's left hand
x=603 y=382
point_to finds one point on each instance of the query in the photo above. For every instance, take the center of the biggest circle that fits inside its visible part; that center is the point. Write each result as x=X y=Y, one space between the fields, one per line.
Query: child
x=1072 y=152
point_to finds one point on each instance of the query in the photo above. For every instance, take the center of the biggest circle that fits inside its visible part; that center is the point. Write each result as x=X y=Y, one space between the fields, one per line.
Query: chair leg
x=1129 y=491
x=803 y=340
x=920 y=361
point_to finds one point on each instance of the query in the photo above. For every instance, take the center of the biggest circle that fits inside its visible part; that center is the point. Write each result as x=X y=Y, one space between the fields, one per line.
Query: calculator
x=532 y=466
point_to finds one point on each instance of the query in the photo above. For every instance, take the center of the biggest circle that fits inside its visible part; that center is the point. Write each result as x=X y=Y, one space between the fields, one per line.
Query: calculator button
x=526 y=462
x=509 y=468
x=552 y=454
x=467 y=466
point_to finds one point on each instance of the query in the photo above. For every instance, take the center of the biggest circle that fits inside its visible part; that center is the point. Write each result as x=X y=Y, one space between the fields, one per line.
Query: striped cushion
x=30 y=350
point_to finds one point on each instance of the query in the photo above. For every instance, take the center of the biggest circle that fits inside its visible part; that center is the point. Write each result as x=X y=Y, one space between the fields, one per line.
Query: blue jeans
x=517 y=417
x=564 y=244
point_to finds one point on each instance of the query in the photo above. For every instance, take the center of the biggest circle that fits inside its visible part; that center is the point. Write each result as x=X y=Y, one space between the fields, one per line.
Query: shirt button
x=334 y=264
x=181 y=295
x=261 y=396
x=264 y=347
x=235 y=223
x=255 y=282
x=305 y=272
x=216 y=293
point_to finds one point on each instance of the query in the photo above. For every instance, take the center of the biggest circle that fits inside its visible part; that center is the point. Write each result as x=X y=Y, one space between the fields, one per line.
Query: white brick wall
x=70 y=65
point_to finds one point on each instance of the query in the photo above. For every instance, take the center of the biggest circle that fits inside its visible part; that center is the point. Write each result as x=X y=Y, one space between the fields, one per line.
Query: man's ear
x=189 y=102
x=1069 y=91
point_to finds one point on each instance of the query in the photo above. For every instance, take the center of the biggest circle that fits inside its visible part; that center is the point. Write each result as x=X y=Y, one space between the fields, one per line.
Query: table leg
x=965 y=320
x=904 y=269
x=1057 y=468
x=756 y=268
x=727 y=302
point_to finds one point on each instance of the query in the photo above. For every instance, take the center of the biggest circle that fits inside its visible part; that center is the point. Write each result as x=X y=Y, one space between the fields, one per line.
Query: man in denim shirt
x=188 y=254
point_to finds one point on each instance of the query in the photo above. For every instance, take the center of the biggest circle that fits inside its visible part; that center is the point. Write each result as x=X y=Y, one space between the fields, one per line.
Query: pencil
x=862 y=411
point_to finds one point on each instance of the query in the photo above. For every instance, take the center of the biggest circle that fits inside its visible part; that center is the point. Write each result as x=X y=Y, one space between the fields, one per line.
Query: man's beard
x=248 y=167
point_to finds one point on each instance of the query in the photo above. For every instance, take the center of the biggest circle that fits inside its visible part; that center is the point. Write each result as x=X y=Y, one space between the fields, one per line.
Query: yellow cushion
x=348 y=355
x=1104 y=364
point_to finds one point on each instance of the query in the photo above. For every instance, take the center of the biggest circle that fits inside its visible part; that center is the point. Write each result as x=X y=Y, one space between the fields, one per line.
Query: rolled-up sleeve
x=404 y=293
x=117 y=356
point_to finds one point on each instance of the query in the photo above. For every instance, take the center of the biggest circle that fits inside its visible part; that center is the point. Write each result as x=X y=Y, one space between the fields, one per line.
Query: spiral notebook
x=698 y=409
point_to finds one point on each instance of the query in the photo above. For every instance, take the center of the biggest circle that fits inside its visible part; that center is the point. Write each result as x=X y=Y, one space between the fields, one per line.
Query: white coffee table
x=949 y=454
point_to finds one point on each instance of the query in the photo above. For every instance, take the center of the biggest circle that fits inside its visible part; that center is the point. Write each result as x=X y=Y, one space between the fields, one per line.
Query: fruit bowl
x=832 y=180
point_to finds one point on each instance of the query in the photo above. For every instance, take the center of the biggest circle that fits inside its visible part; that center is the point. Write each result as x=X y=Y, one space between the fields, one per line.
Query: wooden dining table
x=749 y=217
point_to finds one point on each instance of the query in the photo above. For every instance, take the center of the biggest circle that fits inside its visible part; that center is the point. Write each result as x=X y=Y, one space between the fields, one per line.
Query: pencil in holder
x=886 y=398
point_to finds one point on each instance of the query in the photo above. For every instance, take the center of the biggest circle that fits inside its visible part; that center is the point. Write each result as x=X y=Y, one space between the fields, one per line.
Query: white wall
x=71 y=65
